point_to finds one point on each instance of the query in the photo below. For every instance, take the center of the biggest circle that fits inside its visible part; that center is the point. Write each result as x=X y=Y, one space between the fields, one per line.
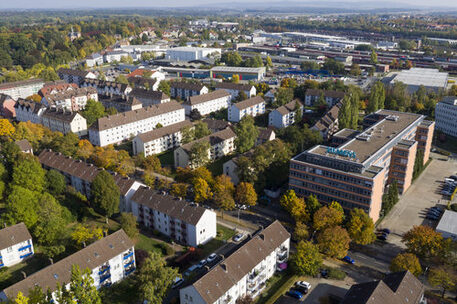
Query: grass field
x=166 y=158
x=223 y=235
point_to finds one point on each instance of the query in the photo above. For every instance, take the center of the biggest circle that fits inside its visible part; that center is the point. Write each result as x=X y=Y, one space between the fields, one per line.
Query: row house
x=64 y=122
x=21 y=89
x=285 y=115
x=80 y=175
x=244 y=272
x=75 y=76
x=71 y=99
x=15 y=245
x=185 y=223
x=328 y=124
x=235 y=88
x=149 y=97
x=253 y=107
x=312 y=96
x=7 y=106
x=184 y=90
x=208 y=103
x=221 y=144
x=28 y=110
x=159 y=140
x=116 y=128
x=110 y=260
x=107 y=88
x=121 y=103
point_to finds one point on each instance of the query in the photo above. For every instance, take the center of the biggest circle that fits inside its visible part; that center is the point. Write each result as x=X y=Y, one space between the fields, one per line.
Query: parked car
x=348 y=259
x=295 y=294
x=382 y=237
x=303 y=284
x=432 y=217
x=324 y=273
x=178 y=282
x=202 y=263
x=211 y=257
x=434 y=211
x=238 y=237
x=386 y=230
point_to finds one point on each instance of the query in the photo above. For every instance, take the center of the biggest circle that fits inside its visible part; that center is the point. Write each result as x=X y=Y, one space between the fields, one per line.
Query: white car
x=177 y=282
x=202 y=263
x=303 y=284
x=211 y=257
x=238 y=237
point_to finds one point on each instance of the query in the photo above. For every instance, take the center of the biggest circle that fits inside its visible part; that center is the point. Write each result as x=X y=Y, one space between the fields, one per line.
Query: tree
x=390 y=198
x=55 y=182
x=327 y=217
x=295 y=206
x=240 y=97
x=152 y=162
x=195 y=115
x=333 y=66
x=154 y=278
x=377 y=97
x=93 y=111
x=129 y=224
x=288 y=83
x=283 y=96
x=105 y=194
x=201 y=130
x=442 y=277
x=199 y=153
x=406 y=261
x=355 y=70
x=424 y=241
x=246 y=134
x=245 y=194
x=67 y=144
x=82 y=289
x=235 y=78
x=202 y=190
x=344 y=114
x=82 y=234
x=361 y=227
x=6 y=128
x=373 y=57
x=50 y=226
x=232 y=59
x=187 y=134
x=245 y=300
x=121 y=79
x=179 y=189
x=309 y=65
x=269 y=62
x=164 y=87
x=29 y=175
x=312 y=205
x=307 y=260
x=334 y=242
x=85 y=149
x=301 y=232
x=22 y=206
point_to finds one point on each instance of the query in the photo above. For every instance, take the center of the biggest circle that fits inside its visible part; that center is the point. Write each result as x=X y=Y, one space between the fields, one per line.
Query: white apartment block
x=107 y=88
x=253 y=107
x=114 y=56
x=184 y=90
x=221 y=143
x=159 y=140
x=21 y=89
x=208 y=103
x=94 y=60
x=190 y=53
x=186 y=223
x=71 y=99
x=244 y=272
x=15 y=245
x=110 y=260
x=285 y=115
x=116 y=128
x=74 y=76
x=235 y=88
x=27 y=110
x=64 y=122
x=446 y=116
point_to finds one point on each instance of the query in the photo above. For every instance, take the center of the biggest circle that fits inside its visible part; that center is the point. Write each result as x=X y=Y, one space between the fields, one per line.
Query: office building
x=446 y=115
x=227 y=72
x=191 y=53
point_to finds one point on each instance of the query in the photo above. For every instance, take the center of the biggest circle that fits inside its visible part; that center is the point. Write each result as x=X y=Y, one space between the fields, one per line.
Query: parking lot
x=423 y=194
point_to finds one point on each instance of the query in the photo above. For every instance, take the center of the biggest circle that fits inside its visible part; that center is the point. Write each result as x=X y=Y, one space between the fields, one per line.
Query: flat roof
x=237 y=69
x=448 y=222
x=422 y=76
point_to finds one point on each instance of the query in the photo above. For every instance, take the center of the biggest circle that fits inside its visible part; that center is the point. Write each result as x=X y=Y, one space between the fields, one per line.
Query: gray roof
x=90 y=257
x=20 y=83
x=70 y=93
x=56 y=114
x=103 y=83
x=448 y=223
x=73 y=72
x=186 y=85
x=230 y=69
x=28 y=104
x=153 y=95
x=233 y=86
x=169 y=205
x=249 y=102
x=288 y=107
x=197 y=99
x=327 y=93
x=216 y=124
x=13 y=235
x=24 y=145
x=213 y=139
x=164 y=131
x=422 y=76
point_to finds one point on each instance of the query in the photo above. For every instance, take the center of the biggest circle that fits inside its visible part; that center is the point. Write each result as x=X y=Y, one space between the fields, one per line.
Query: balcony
x=128 y=255
x=26 y=255
x=104 y=278
x=281 y=258
x=103 y=269
x=25 y=247
x=129 y=264
x=129 y=271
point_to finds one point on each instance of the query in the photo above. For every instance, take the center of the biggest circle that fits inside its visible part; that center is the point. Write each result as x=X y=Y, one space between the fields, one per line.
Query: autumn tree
x=105 y=194
x=6 y=128
x=301 y=232
x=246 y=134
x=361 y=227
x=199 y=153
x=83 y=234
x=406 y=261
x=295 y=206
x=202 y=191
x=179 y=189
x=425 y=242
x=327 y=217
x=334 y=242
x=442 y=277
x=307 y=260
x=85 y=149
x=129 y=224
x=245 y=194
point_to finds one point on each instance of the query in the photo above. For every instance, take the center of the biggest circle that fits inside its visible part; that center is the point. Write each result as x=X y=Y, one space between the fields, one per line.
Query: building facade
x=253 y=107
x=21 y=89
x=7 y=106
x=64 y=122
x=74 y=76
x=208 y=103
x=331 y=98
x=285 y=115
x=107 y=88
x=191 y=53
x=328 y=125
x=16 y=245
x=235 y=88
x=184 y=90
x=27 y=110
x=72 y=99
x=227 y=72
x=446 y=116
x=149 y=97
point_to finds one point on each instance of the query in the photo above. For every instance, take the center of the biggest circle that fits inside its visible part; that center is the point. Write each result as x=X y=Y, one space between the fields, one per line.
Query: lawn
x=223 y=235
x=167 y=158
x=277 y=285
x=216 y=166
x=13 y=274
x=148 y=244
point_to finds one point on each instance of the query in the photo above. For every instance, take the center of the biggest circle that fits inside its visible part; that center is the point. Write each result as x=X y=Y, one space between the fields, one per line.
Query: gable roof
x=61 y=115
x=143 y=93
x=70 y=93
x=73 y=72
x=329 y=118
x=4 y=97
x=288 y=107
x=249 y=102
x=197 y=99
x=186 y=85
x=105 y=84
x=140 y=81
x=213 y=139
x=23 y=144
x=20 y=83
x=29 y=105
x=265 y=133
x=163 y=131
x=90 y=257
x=59 y=86
x=233 y=86
x=216 y=124
x=13 y=235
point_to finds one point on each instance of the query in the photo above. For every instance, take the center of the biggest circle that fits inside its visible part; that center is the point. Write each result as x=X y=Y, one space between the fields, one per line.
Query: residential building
x=144 y=83
x=191 y=53
x=55 y=87
x=356 y=172
x=208 y=103
x=184 y=90
x=80 y=175
x=21 y=89
x=111 y=56
x=155 y=74
x=64 y=122
x=227 y=72
x=244 y=272
x=285 y=115
x=74 y=76
x=110 y=260
x=327 y=125
x=235 y=88
x=71 y=99
x=447 y=225
x=395 y=288
x=265 y=134
x=107 y=88
x=121 y=103
x=28 y=110
x=431 y=79
x=116 y=128
x=159 y=140
x=15 y=245
x=446 y=115
x=186 y=223
x=94 y=60
x=253 y=106
x=216 y=125
x=7 y=106
x=221 y=143
x=230 y=167
x=149 y=97
x=24 y=146
x=312 y=97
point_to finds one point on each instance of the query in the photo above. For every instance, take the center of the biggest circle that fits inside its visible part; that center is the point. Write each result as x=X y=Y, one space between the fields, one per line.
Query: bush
x=335 y=273
x=166 y=249
x=453 y=207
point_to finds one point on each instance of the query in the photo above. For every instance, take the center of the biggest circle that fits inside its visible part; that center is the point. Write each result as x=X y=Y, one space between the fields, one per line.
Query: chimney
x=105 y=233
x=24 y=274
x=84 y=244
x=207 y=268
x=224 y=267
x=51 y=261
x=222 y=256
x=262 y=236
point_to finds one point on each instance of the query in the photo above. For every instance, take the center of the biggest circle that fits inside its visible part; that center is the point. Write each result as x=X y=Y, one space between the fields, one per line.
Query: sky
x=29 y=4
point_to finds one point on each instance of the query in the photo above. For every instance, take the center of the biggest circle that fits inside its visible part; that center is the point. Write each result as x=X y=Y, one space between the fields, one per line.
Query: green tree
x=154 y=278
x=327 y=217
x=179 y=189
x=390 y=198
x=187 y=134
x=269 y=62
x=129 y=224
x=307 y=260
x=232 y=59
x=22 y=206
x=361 y=227
x=93 y=111
x=377 y=97
x=442 y=277
x=373 y=57
x=355 y=70
x=406 y=261
x=29 y=174
x=344 y=114
x=199 y=153
x=105 y=194
x=309 y=65
x=201 y=130
x=67 y=144
x=245 y=194
x=333 y=66
x=82 y=289
x=295 y=206
x=334 y=242
x=283 y=96
x=312 y=205
x=121 y=79
x=164 y=87
x=55 y=182
x=301 y=232
x=246 y=134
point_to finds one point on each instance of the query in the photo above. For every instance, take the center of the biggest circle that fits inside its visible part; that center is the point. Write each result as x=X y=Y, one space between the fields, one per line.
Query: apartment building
x=64 y=122
x=121 y=103
x=72 y=99
x=94 y=60
x=331 y=97
x=115 y=56
x=328 y=125
x=208 y=103
x=149 y=97
x=184 y=90
x=244 y=272
x=55 y=87
x=221 y=143
x=144 y=83
x=186 y=223
x=446 y=115
x=356 y=172
x=235 y=88
x=159 y=140
x=15 y=245
x=285 y=115
x=80 y=175
x=7 y=106
x=253 y=106
x=75 y=76
x=107 y=88
x=110 y=260
x=116 y=128
x=21 y=89
x=28 y=110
